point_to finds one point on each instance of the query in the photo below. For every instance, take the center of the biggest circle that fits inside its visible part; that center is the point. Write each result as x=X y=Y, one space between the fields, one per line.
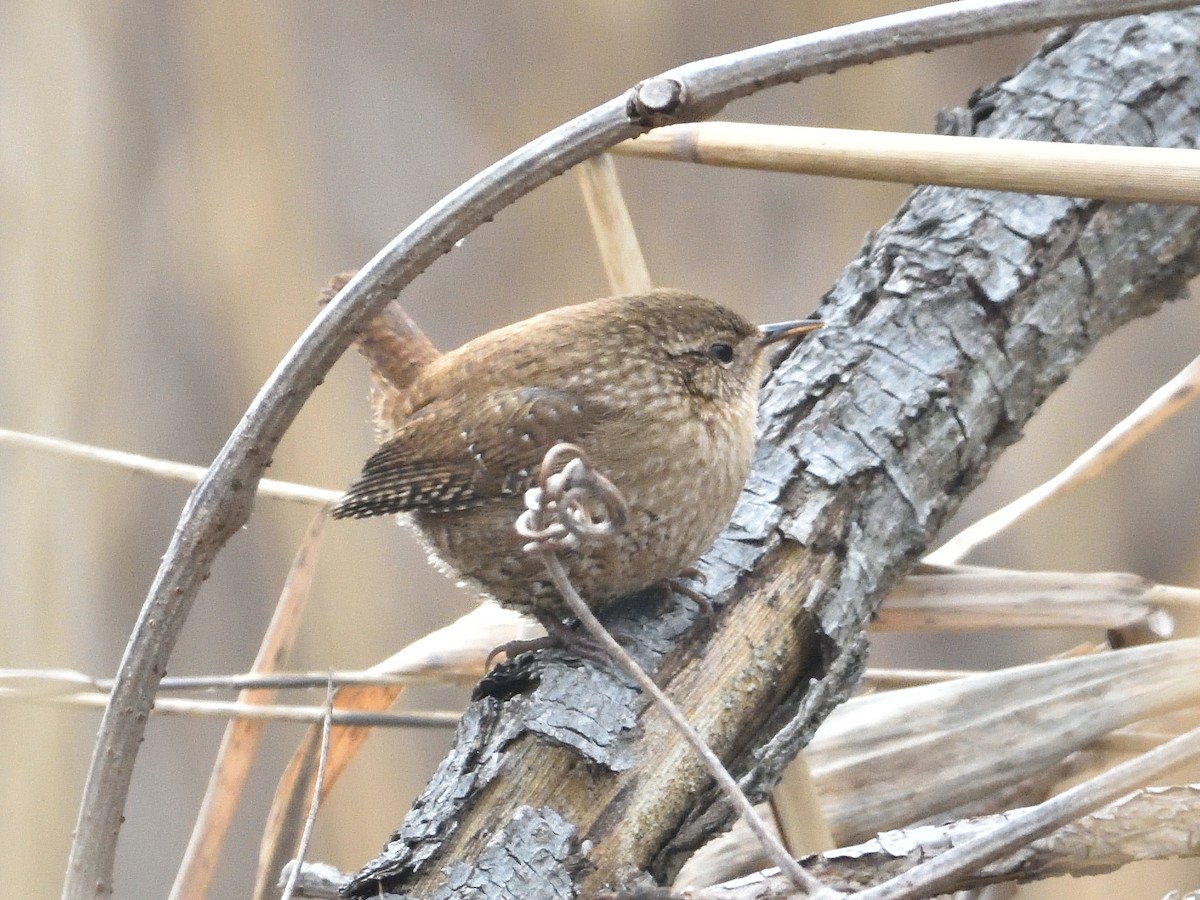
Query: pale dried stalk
x=612 y=226
x=736 y=852
x=961 y=597
x=966 y=598
x=290 y=681
x=795 y=805
x=1173 y=596
x=32 y=683
x=973 y=742
x=894 y=679
x=1102 y=172
x=230 y=709
x=311 y=821
x=1163 y=403
x=239 y=744
x=1131 y=741
x=966 y=738
x=160 y=468
x=897 y=614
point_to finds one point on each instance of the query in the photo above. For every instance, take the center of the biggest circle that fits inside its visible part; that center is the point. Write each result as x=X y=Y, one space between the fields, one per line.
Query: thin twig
x=159 y=468
x=280 y=680
x=775 y=850
x=311 y=821
x=41 y=682
x=1163 y=403
x=229 y=709
x=221 y=502
x=940 y=874
x=1099 y=171
x=574 y=504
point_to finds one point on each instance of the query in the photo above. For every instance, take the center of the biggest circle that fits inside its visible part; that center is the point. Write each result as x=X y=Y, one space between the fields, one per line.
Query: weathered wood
x=952 y=325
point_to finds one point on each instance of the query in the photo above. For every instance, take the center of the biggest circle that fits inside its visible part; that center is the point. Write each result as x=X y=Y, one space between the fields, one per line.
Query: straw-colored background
x=177 y=181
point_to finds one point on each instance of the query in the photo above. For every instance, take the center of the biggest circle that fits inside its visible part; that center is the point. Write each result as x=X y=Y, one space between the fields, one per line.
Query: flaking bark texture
x=951 y=327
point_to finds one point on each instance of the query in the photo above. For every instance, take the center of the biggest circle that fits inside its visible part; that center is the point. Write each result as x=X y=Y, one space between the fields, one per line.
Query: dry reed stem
x=275 y=712
x=32 y=683
x=160 y=468
x=795 y=804
x=239 y=745
x=895 y=679
x=967 y=738
x=951 y=599
x=968 y=598
x=624 y=265
x=311 y=820
x=1103 y=172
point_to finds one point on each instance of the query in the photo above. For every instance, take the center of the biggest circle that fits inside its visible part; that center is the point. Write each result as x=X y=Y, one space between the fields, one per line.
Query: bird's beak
x=781 y=331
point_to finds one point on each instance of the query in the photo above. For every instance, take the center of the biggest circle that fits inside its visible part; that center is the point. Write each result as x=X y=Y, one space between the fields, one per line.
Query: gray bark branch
x=953 y=324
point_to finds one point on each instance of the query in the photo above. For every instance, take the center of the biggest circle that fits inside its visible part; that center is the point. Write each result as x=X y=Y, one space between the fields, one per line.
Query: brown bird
x=660 y=390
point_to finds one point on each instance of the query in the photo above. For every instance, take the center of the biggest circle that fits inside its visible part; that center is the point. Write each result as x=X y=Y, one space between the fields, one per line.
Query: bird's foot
x=678 y=585
x=558 y=635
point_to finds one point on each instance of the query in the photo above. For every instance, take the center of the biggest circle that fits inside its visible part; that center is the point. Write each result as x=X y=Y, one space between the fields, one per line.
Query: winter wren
x=659 y=389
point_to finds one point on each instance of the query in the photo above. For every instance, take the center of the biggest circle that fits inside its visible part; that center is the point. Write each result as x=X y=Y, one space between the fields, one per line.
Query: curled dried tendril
x=570 y=506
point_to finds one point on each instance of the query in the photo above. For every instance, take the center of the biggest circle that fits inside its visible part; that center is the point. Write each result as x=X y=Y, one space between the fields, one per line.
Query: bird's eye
x=721 y=352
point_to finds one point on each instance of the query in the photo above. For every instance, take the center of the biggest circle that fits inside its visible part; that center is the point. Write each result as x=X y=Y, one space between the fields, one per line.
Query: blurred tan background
x=178 y=180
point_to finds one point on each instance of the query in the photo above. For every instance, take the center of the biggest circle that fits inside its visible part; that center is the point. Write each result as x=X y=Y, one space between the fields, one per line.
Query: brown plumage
x=660 y=389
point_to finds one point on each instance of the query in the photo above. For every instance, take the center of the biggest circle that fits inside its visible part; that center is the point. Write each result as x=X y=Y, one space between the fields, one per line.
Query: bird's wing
x=448 y=457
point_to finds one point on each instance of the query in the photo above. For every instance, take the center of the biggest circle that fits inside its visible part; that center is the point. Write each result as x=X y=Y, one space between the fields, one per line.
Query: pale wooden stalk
x=240 y=743
x=971 y=741
x=311 y=820
x=160 y=468
x=612 y=226
x=256 y=712
x=1102 y=172
x=970 y=598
